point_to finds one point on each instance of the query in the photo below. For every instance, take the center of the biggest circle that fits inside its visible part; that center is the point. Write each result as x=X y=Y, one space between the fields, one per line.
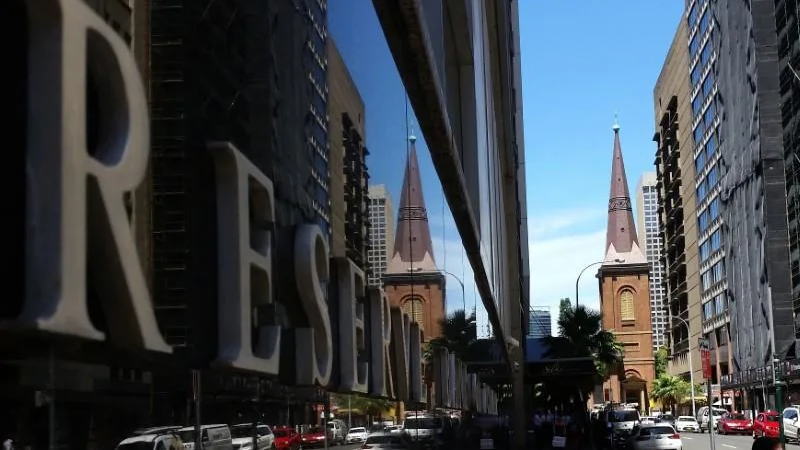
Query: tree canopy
x=459 y=335
x=662 y=358
x=670 y=390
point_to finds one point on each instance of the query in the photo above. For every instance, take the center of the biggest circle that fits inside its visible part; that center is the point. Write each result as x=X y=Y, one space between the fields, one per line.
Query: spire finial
x=411 y=137
x=616 y=123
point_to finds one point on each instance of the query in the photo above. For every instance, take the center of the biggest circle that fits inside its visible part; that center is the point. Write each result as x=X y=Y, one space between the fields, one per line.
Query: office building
x=381 y=233
x=625 y=294
x=650 y=236
x=743 y=244
x=349 y=180
x=540 y=323
x=675 y=169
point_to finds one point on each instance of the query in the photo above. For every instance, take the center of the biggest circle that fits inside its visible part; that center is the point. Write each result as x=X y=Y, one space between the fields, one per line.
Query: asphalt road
x=692 y=441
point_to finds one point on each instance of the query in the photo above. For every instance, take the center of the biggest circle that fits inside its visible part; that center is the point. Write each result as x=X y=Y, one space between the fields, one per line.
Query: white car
x=214 y=437
x=656 y=437
x=242 y=435
x=791 y=422
x=356 y=434
x=152 y=439
x=393 y=429
x=687 y=423
x=647 y=420
x=378 y=441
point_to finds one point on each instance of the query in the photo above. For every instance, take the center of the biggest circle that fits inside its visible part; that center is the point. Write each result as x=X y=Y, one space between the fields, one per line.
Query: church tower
x=625 y=294
x=412 y=280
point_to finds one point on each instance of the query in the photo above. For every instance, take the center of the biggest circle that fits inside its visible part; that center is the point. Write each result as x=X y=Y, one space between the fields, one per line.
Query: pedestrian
x=766 y=443
x=8 y=444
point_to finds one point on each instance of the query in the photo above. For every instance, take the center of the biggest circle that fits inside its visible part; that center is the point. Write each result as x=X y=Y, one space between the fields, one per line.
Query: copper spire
x=621 y=241
x=413 y=249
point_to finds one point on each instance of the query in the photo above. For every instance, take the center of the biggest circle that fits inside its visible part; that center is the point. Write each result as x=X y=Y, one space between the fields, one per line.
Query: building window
x=415 y=308
x=626 y=305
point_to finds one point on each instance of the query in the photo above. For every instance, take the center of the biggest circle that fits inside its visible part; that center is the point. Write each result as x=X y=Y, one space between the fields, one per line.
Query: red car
x=767 y=424
x=734 y=423
x=313 y=437
x=286 y=438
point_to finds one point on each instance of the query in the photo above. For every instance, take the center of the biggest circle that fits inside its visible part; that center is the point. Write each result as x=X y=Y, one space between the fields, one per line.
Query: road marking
x=728 y=445
x=687 y=437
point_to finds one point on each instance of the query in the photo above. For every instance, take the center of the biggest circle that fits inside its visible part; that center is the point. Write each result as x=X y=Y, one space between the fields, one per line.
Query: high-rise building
x=381 y=233
x=677 y=204
x=412 y=281
x=625 y=294
x=349 y=178
x=786 y=19
x=540 y=323
x=650 y=237
x=741 y=184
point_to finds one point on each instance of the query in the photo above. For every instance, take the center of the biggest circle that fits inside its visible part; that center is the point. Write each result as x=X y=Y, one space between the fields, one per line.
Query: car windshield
x=280 y=433
x=136 y=446
x=736 y=417
x=187 y=436
x=313 y=430
x=241 y=431
x=357 y=430
x=624 y=416
x=423 y=423
x=774 y=418
x=651 y=431
x=686 y=419
x=719 y=413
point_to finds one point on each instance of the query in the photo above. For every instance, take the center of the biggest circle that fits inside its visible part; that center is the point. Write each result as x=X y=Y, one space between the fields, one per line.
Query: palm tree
x=670 y=390
x=459 y=335
x=581 y=333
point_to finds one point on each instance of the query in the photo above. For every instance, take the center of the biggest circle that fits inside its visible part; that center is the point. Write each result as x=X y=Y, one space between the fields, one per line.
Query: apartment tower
x=381 y=233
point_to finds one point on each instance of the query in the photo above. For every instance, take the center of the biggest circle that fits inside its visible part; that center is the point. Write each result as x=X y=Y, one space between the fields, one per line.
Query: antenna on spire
x=616 y=123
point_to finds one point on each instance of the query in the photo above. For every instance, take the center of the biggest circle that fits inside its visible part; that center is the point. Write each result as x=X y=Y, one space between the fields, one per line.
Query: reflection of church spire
x=621 y=241
x=412 y=245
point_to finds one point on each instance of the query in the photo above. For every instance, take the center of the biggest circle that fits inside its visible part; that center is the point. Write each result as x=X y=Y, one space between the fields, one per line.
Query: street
x=692 y=441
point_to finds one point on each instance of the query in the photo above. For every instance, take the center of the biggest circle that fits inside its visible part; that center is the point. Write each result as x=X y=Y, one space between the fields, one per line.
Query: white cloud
x=559 y=221
x=555 y=265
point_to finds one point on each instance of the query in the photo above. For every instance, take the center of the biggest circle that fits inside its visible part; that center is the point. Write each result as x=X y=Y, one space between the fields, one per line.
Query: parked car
x=687 y=423
x=314 y=437
x=660 y=436
x=286 y=438
x=648 y=420
x=422 y=427
x=703 y=417
x=667 y=418
x=734 y=423
x=791 y=415
x=621 y=423
x=214 y=437
x=356 y=434
x=242 y=435
x=766 y=424
x=160 y=438
x=384 y=441
x=393 y=429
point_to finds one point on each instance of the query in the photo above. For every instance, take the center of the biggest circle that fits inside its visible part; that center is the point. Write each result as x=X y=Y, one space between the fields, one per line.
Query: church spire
x=621 y=241
x=413 y=249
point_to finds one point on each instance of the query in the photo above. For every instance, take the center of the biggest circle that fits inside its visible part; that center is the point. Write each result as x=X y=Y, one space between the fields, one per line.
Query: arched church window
x=415 y=308
x=626 y=305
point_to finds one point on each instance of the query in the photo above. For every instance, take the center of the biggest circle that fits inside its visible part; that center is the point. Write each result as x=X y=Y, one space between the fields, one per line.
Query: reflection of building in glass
x=650 y=233
x=539 y=323
x=381 y=232
x=411 y=280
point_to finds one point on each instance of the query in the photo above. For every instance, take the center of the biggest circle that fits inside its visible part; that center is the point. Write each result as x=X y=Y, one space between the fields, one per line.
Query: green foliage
x=365 y=405
x=662 y=358
x=582 y=335
x=670 y=390
x=459 y=335
x=564 y=304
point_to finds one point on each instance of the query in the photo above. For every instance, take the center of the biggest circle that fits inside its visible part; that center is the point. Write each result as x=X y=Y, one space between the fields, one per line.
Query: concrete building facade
x=381 y=233
x=675 y=169
x=650 y=236
x=625 y=294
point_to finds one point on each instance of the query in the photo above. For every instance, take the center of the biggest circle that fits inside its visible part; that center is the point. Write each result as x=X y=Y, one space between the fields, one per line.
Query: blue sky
x=583 y=60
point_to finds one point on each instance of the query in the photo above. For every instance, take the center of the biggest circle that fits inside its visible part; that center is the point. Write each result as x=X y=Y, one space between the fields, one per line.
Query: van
x=337 y=430
x=156 y=438
x=214 y=437
x=702 y=417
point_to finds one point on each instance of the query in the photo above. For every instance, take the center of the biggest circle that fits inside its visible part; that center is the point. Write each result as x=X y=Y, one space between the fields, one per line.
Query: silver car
x=394 y=441
x=656 y=437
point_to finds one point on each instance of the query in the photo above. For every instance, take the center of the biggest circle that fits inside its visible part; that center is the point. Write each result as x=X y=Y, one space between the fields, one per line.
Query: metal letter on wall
x=76 y=221
x=314 y=352
x=400 y=326
x=415 y=391
x=352 y=334
x=380 y=340
x=245 y=210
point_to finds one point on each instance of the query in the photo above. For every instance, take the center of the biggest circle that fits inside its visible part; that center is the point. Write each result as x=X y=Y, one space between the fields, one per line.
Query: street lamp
x=691 y=369
x=463 y=297
x=617 y=260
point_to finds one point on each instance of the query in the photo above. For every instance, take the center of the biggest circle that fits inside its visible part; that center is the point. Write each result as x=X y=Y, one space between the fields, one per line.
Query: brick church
x=625 y=295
